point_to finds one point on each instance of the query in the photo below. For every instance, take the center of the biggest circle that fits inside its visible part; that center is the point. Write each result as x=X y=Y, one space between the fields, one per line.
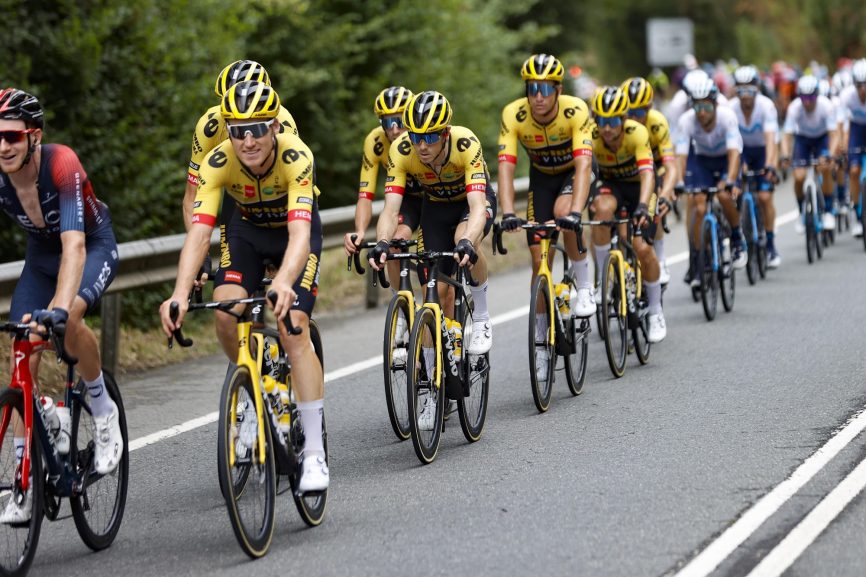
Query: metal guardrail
x=152 y=261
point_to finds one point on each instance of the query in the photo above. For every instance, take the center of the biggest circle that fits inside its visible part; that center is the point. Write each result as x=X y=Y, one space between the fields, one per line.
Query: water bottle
x=64 y=434
x=563 y=295
x=270 y=358
x=455 y=329
x=49 y=415
x=726 y=250
x=273 y=394
x=285 y=421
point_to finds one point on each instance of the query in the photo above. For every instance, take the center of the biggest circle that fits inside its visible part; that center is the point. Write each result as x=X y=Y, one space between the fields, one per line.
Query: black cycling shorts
x=544 y=189
x=627 y=196
x=248 y=246
x=410 y=211
x=439 y=221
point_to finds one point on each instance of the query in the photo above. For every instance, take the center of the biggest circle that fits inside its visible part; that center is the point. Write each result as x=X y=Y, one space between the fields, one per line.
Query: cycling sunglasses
x=613 y=122
x=809 y=97
x=15 y=136
x=747 y=90
x=638 y=112
x=391 y=122
x=703 y=106
x=428 y=137
x=546 y=89
x=254 y=129
x=860 y=84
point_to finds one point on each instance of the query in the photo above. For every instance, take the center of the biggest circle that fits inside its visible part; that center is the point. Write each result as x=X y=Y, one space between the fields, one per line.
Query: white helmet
x=746 y=75
x=824 y=87
x=858 y=71
x=704 y=90
x=693 y=77
x=841 y=80
x=807 y=85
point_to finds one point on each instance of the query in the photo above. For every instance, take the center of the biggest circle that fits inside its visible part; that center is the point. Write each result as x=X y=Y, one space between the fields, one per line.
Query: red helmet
x=16 y=104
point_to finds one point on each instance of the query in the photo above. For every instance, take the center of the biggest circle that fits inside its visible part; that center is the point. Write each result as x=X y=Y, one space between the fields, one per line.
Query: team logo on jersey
x=521 y=115
x=290 y=155
x=569 y=112
x=539 y=138
x=218 y=159
x=249 y=191
x=429 y=176
x=463 y=144
x=311 y=272
x=210 y=129
x=405 y=147
x=234 y=276
x=378 y=148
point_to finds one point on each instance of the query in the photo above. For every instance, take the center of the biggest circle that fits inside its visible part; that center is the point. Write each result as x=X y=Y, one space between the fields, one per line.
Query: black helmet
x=16 y=104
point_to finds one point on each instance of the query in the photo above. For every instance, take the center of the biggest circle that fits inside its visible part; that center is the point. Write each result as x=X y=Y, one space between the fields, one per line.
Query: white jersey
x=679 y=104
x=763 y=124
x=724 y=136
x=852 y=107
x=811 y=125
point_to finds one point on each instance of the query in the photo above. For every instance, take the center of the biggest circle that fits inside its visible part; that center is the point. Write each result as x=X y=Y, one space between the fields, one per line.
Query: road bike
x=715 y=262
x=752 y=225
x=553 y=330
x=813 y=209
x=260 y=436
x=49 y=475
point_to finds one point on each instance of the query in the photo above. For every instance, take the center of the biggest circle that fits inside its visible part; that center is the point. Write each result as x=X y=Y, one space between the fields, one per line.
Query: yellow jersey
x=660 y=137
x=625 y=163
x=376 y=149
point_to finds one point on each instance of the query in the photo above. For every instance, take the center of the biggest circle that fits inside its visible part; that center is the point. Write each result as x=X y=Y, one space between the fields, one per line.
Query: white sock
x=479 y=297
x=654 y=296
x=311 y=420
x=18 y=442
x=659 y=247
x=100 y=402
x=601 y=251
x=580 y=272
x=540 y=327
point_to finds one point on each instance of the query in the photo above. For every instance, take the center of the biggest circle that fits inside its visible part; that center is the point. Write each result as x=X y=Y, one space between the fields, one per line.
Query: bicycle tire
x=23 y=538
x=709 y=279
x=311 y=506
x=575 y=363
x=99 y=529
x=762 y=243
x=394 y=368
x=474 y=369
x=640 y=333
x=542 y=388
x=727 y=273
x=599 y=319
x=751 y=242
x=253 y=532
x=616 y=323
x=422 y=386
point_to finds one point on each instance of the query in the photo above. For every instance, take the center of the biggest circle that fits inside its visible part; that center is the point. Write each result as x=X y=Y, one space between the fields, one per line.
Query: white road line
x=786 y=552
x=370 y=363
x=752 y=519
x=331 y=376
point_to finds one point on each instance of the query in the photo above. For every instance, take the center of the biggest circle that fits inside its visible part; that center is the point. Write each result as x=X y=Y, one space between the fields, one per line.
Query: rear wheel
x=475 y=370
x=395 y=356
x=709 y=278
x=575 y=362
x=542 y=357
x=248 y=481
x=98 y=508
x=640 y=332
x=426 y=397
x=762 y=243
x=616 y=332
x=727 y=275
x=19 y=540
x=747 y=221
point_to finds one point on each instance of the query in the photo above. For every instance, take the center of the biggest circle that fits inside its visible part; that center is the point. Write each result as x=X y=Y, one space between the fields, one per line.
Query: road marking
x=331 y=376
x=786 y=552
x=710 y=558
x=370 y=363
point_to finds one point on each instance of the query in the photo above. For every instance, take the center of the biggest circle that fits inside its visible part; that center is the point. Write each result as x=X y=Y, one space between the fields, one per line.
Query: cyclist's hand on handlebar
x=664 y=206
x=48 y=318
x=465 y=252
x=377 y=255
x=285 y=297
x=510 y=222
x=785 y=162
x=772 y=174
x=351 y=245
x=641 y=215
x=168 y=326
x=203 y=272
x=570 y=222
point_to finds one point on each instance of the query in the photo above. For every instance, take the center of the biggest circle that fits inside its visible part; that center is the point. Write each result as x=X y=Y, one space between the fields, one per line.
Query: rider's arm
x=733 y=165
x=580 y=185
x=505 y=186
x=508 y=134
x=771 y=131
x=72 y=185
x=682 y=142
x=581 y=151
x=643 y=155
x=71 y=268
x=374 y=155
x=195 y=247
x=294 y=260
x=188 y=200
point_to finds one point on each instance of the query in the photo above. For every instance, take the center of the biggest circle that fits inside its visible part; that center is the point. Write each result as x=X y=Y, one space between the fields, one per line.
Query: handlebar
x=355 y=258
x=56 y=333
x=498 y=247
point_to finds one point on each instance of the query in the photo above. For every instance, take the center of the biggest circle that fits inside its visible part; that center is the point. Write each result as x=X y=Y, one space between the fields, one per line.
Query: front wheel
x=575 y=361
x=542 y=356
x=727 y=274
x=246 y=469
x=394 y=365
x=475 y=371
x=747 y=221
x=616 y=321
x=19 y=540
x=426 y=396
x=708 y=274
x=98 y=507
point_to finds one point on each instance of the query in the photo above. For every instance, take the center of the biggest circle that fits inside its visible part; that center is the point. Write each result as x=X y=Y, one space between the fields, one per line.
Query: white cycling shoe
x=314 y=474
x=828 y=221
x=542 y=364
x=482 y=338
x=428 y=415
x=109 y=441
x=657 y=328
x=583 y=304
x=18 y=509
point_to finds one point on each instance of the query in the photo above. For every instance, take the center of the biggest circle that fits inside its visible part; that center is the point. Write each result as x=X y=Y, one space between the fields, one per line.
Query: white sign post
x=668 y=40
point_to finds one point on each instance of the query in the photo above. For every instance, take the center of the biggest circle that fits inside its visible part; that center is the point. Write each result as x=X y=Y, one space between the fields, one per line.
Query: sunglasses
x=703 y=106
x=860 y=84
x=533 y=88
x=747 y=90
x=391 y=122
x=15 y=136
x=428 y=137
x=254 y=129
x=613 y=122
x=638 y=112
x=808 y=97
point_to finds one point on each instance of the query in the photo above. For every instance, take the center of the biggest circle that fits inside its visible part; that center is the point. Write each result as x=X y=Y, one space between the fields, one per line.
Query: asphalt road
x=634 y=477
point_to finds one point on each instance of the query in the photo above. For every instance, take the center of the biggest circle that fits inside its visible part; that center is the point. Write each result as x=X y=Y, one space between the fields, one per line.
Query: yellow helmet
x=392 y=100
x=250 y=99
x=610 y=102
x=639 y=92
x=542 y=67
x=427 y=112
x=238 y=71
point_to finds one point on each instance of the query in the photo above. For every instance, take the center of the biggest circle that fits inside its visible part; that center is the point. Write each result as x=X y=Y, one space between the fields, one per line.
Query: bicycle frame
x=810 y=187
x=622 y=264
x=245 y=359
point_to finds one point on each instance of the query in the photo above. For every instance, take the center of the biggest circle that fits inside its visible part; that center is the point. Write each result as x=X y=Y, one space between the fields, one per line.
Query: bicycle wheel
x=249 y=484
x=542 y=357
x=727 y=274
x=98 y=507
x=616 y=323
x=640 y=333
x=709 y=278
x=426 y=398
x=809 y=224
x=747 y=220
x=474 y=370
x=600 y=320
x=575 y=362
x=394 y=365
x=762 y=243
x=310 y=506
x=19 y=541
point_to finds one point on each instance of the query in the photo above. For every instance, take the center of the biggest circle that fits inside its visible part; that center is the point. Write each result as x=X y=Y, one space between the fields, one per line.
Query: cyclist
x=626 y=181
x=853 y=101
x=680 y=102
x=713 y=135
x=810 y=126
x=71 y=259
x=210 y=130
x=459 y=203
x=389 y=107
x=554 y=129
x=270 y=177
x=640 y=109
x=759 y=127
